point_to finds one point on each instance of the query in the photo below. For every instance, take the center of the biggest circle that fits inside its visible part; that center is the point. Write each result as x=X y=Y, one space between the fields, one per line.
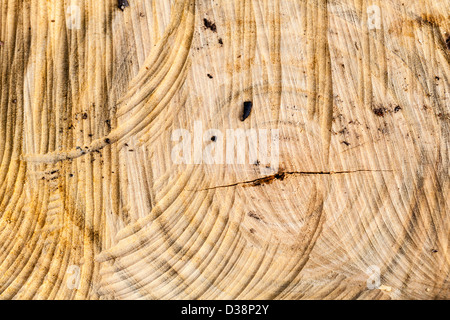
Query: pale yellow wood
x=90 y=96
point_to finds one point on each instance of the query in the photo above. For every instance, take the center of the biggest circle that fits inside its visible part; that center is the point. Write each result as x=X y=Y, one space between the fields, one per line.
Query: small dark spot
x=448 y=43
x=253 y=215
x=397 y=109
x=221 y=41
x=122 y=4
x=384 y=129
x=210 y=76
x=85 y=116
x=70 y=175
x=379 y=112
x=131 y=150
x=257 y=163
x=252 y=231
x=213 y=138
x=108 y=123
x=437 y=78
x=90 y=135
x=346 y=143
x=248 y=105
x=126 y=144
x=280 y=176
x=210 y=25
x=434 y=251
x=107 y=141
x=53 y=20
x=443 y=116
x=343 y=131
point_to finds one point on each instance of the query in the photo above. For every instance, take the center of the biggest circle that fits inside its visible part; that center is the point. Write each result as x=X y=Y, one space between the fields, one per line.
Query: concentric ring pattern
x=93 y=205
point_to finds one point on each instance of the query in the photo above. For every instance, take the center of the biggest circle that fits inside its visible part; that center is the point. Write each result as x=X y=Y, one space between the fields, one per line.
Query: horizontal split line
x=282 y=175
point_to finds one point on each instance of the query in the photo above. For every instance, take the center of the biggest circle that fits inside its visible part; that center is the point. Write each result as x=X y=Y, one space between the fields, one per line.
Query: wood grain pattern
x=91 y=93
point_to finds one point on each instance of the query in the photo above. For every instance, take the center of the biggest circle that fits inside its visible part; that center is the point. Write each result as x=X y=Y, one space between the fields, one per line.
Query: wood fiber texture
x=92 y=205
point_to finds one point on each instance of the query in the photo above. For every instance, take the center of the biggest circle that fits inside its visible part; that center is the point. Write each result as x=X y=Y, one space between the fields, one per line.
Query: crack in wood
x=283 y=175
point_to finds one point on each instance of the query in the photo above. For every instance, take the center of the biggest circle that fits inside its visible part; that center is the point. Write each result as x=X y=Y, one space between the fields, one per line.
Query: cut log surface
x=93 y=204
